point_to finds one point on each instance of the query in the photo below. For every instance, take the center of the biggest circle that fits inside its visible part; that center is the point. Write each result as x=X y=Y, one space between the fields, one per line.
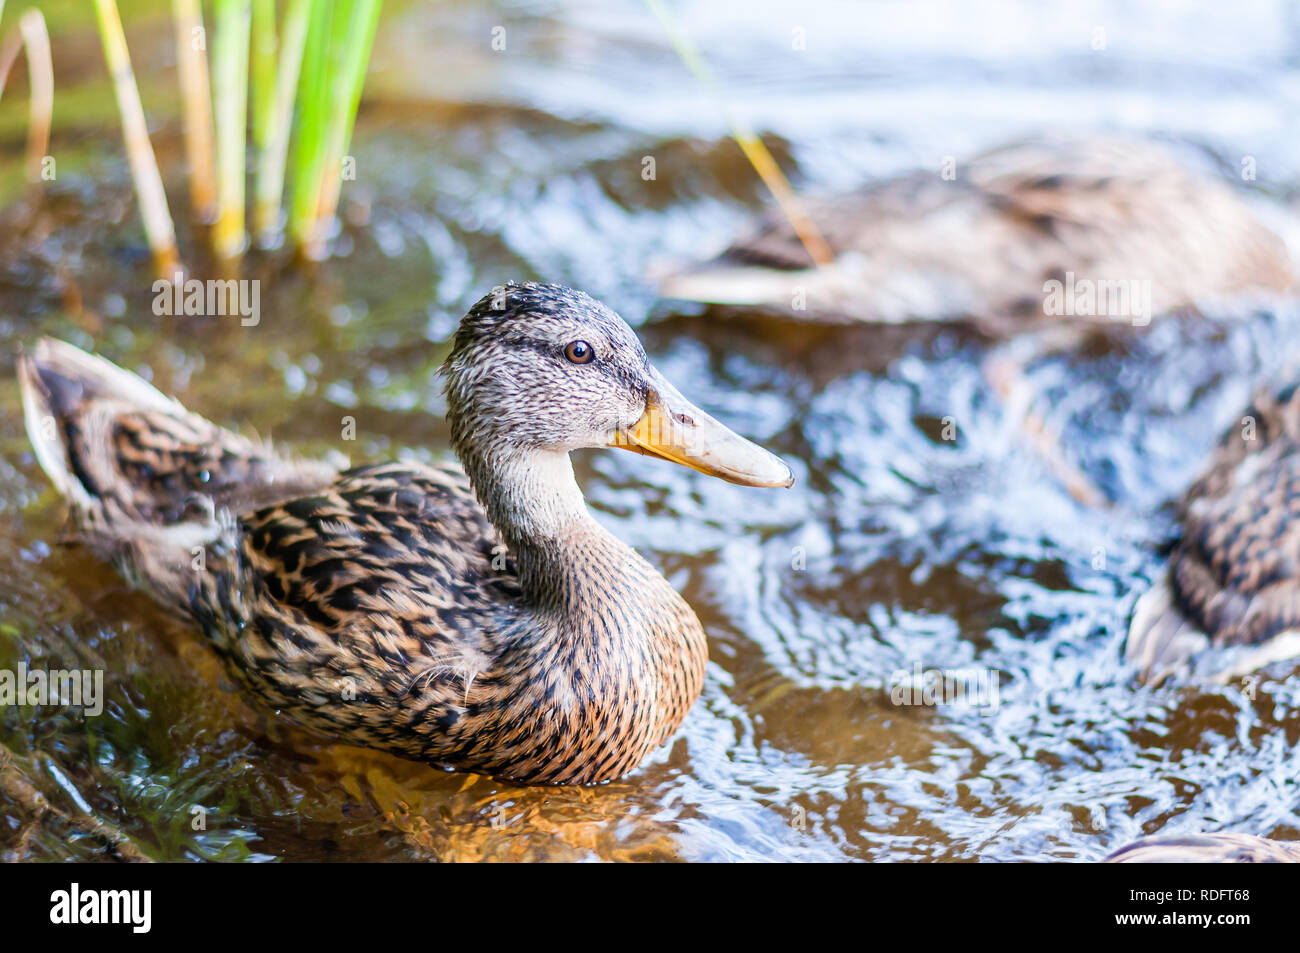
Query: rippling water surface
x=895 y=549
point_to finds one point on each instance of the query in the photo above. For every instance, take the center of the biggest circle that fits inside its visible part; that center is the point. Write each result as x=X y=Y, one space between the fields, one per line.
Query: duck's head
x=543 y=368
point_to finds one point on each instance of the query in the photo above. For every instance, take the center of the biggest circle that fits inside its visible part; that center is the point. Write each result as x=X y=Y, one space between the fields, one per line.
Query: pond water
x=895 y=549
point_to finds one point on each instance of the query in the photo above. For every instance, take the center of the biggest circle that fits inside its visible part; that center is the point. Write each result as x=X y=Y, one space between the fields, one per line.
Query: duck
x=1207 y=849
x=475 y=617
x=1233 y=575
x=991 y=239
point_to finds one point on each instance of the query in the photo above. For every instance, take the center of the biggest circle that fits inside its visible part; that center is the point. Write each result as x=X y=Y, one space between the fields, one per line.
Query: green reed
x=135 y=134
x=196 y=107
x=335 y=63
x=278 y=105
x=230 y=107
x=272 y=84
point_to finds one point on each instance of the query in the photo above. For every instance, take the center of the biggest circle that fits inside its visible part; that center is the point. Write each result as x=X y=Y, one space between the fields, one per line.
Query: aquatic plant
x=750 y=144
x=196 y=105
x=303 y=76
x=149 y=190
x=31 y=36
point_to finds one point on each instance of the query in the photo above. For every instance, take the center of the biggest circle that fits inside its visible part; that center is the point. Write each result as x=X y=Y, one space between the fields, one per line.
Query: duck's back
x=984 y=241
x=1234 y=571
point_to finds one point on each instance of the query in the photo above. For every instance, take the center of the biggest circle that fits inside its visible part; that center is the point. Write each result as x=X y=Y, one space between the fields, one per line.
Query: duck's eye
x=580 y=352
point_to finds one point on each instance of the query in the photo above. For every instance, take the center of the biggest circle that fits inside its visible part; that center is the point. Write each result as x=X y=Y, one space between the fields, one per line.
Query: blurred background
x=476 y=165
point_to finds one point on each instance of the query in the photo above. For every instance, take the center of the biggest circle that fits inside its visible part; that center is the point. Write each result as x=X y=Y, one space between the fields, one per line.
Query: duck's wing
x=374 y=608
x=1207 y=849
x=1234 y=573
x=985 y=240
x=370 y=603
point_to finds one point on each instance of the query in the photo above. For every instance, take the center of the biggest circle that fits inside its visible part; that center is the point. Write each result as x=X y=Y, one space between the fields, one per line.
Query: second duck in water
x=480 y=620
x=986 y=241
x=1234 y=572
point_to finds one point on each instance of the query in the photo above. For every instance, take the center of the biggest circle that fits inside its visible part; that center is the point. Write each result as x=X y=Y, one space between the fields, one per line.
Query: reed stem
x=10 y=47
x=269 y=185
x=30 y=34
x=196 y=103
x=263 y=73
x=40 y=72
x=309 y=141
x=752 y=146
x=352 y=51
x=230 y=76
x=139 y=150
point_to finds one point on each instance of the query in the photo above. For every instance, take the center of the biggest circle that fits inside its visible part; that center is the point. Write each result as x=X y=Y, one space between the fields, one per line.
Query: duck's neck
x=531 y=496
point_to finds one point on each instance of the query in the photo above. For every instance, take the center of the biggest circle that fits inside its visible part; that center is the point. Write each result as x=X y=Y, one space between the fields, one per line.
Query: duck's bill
x=675 y=429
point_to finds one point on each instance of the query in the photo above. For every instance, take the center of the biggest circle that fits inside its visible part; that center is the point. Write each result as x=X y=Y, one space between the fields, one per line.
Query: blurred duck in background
x=1038 y=244
x=1207 y=849
x=992 y=243
x=984 y=239
x=1234 y=573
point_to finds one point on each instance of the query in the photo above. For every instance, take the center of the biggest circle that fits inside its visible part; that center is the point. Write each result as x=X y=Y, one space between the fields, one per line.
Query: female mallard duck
x=1207 y=849
x=984 y=242
x=1234 y=572
x=478 y=620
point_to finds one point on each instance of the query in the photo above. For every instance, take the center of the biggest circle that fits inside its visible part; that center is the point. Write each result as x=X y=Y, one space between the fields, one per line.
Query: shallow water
x=895 y=549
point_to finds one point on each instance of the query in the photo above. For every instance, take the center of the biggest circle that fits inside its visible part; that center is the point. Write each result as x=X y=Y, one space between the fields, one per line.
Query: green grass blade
x=196 y=106
x=144 y=166
x=309 y=142
x=352 y=60
x=269 y=186
x=230 y=90
x=752 y=146
x=263 y=72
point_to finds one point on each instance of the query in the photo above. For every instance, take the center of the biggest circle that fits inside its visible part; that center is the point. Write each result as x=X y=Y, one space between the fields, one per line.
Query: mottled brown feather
x=380 y=605
x=1234 y=571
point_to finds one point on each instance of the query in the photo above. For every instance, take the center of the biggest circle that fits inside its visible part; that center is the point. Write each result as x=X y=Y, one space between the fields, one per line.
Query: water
x=896 y=548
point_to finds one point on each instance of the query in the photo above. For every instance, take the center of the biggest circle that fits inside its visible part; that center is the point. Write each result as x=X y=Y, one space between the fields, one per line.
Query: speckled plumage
x=479 y=620
x=1234 y=572
x=982 y=243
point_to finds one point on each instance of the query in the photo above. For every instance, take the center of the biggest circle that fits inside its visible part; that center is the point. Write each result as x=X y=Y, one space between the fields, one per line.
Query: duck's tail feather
x=1161 y=640
x=59 y=384
x=151 y=485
